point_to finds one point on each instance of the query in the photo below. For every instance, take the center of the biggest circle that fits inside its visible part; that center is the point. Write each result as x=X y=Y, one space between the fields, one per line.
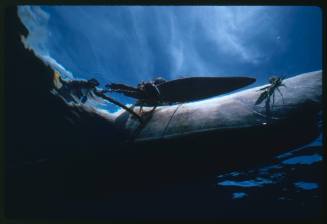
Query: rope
x=171 y=117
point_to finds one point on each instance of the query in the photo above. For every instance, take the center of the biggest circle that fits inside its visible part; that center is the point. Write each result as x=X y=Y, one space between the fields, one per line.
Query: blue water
x=295 y=175
x=306 y=185
x=304 y=160
x=259 y=182
x=239 y=195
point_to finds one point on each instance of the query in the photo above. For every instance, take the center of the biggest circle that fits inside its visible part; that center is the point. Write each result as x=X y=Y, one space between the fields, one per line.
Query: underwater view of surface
x=130 y=44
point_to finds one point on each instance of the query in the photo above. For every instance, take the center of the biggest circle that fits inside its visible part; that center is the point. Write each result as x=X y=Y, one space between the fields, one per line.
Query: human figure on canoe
x=145 y=92
x=77 y=91
x=80 y=90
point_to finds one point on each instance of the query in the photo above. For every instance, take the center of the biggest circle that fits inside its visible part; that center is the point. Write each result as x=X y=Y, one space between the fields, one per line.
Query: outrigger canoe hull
x=228 y=131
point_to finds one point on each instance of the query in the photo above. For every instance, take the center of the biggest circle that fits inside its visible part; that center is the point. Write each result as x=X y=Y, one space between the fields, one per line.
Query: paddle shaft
x=102 y=95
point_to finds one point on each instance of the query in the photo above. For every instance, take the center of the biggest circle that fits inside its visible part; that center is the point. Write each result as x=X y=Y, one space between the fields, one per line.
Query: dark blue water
x=288 y=187
x=293 y=171
x=290 y=184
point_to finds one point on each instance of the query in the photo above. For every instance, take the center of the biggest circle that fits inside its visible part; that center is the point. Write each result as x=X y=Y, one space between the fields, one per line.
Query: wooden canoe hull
x=225 y=132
